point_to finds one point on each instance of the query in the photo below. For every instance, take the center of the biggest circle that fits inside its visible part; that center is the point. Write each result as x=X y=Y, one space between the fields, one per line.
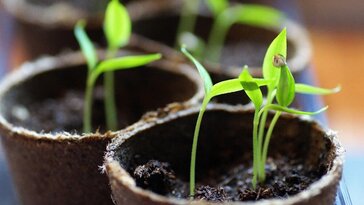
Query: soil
x=59 y=114
x=284 y=177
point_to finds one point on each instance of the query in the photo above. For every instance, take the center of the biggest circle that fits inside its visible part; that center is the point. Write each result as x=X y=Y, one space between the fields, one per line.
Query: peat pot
x=41 y=107
x=148 y=163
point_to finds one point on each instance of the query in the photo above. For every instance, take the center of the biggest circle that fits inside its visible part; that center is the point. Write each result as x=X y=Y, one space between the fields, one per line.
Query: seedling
x=117 y=28
x=225 y=16
x=281 y=87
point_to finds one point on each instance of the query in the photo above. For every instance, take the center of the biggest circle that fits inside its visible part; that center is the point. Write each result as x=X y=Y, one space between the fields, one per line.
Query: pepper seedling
x=281 y=86
x=211 y=91
x=225 y=16
x=117 y=30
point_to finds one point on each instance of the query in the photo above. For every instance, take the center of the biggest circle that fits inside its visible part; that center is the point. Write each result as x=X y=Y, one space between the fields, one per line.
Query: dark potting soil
x=284 y=177
x=243 y=53
x=61 y=113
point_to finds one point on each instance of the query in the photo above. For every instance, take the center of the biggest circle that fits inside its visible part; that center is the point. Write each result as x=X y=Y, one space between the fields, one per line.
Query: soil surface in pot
x=284 y=177
x=53 y=101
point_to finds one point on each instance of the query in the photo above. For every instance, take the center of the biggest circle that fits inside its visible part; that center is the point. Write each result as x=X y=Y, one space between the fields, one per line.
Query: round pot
x=244 y=45
x=45 y=27
x=224 y=144
x=50 y=160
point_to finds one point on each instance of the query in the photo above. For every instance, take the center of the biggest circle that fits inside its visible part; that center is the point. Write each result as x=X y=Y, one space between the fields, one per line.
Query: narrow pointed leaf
x=202 y=71
x=251 y=88
x=290 y=110
x=286 y=87
x=117 y=24
x=122 y=63
x=278 y=46
x=217 y=6
x=86 y=45
x=308 y=89
x=225 y=87
x=255 y=15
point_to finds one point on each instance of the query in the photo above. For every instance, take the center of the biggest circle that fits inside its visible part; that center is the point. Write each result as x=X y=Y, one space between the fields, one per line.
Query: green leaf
x=225 y=87
x=286 y=87
x=117 y=25
x=217 y=6
x=290 y=110
x=251 y=88
x=86 y=45
x=278 y=46
x=122 y=63
x=253 y=14
x=202 y=71
x=308 y=89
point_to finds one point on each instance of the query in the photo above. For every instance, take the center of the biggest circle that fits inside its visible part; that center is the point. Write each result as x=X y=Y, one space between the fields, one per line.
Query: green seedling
x=281 y=86
x=283 y=89
x=225 y=16
x=211 y=91
x=117 y=31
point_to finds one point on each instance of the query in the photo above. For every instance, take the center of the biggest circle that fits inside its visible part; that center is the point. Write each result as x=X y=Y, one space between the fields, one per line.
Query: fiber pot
x=244 y=45
x=45 y=27
x=224 y=149
x=50 y=160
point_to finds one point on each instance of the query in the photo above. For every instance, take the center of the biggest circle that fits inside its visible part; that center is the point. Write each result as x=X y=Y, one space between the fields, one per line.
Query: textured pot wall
x=63 y=168
x=168 y=139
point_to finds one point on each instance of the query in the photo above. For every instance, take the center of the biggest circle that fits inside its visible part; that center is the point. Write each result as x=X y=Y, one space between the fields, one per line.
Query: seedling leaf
x=290 y=110
x=308 y=89
x=122 y=63
x=225 y=87
x=286 y=87
x=117 y=24
x=251 y=88
x=217 y=6
x=86 y=45
x=256 y=15
x=278 y=46
x=203 y=73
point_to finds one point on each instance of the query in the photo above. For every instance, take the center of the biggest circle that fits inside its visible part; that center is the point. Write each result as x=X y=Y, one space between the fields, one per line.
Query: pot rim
x=29 y=70
x=52 y=16
x=115 y=171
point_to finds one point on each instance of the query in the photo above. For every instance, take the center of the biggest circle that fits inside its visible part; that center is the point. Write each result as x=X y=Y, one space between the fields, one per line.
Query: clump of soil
x=284 y=177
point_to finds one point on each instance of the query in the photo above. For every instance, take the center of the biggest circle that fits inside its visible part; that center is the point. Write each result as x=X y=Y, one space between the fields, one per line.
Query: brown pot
x=255 y=40
x=224 y=142
x=50 y=161
x=45 y=27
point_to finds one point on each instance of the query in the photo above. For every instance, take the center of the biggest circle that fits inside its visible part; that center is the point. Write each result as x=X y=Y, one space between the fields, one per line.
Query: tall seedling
x=117 y=28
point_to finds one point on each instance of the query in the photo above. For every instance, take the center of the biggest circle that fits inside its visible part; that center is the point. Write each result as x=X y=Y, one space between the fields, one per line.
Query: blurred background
x=336 y=30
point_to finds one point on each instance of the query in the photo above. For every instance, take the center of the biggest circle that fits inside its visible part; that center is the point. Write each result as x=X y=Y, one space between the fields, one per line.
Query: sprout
x=281 y=87
x=117 y=28
x=225 y=16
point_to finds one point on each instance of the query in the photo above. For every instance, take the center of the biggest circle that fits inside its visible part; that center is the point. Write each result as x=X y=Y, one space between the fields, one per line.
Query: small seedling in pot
x=281 y=86
x=117 y=28
x=225 y=16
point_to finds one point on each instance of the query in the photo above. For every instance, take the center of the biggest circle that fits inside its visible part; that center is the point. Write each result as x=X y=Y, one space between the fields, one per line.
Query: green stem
x=109 y=90
x=188 y=18
x=194 y=147
x=87 y=108
x=267 y=140
x=216 y=39
x=261 y=132
x=256 y=149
